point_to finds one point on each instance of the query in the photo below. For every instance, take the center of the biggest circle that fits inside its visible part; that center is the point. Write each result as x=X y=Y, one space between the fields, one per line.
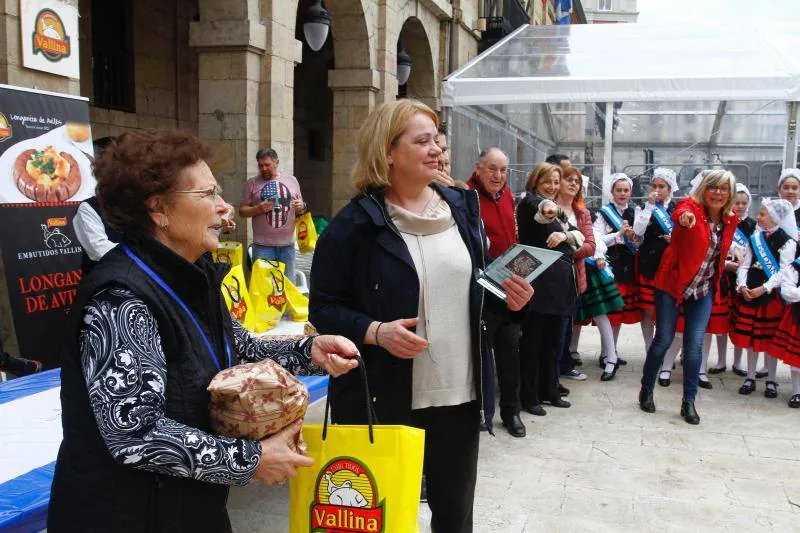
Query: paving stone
x=604 y=465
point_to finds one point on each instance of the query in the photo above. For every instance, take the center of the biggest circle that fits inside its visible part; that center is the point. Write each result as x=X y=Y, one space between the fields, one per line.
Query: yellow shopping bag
x=237 y=297
x=365 y=478
x=296 y=303
x=306 y=233
x=267 y=294
x=228 y=252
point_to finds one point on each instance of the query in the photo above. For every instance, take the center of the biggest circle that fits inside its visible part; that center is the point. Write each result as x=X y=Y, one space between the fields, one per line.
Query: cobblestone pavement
x=604 y=465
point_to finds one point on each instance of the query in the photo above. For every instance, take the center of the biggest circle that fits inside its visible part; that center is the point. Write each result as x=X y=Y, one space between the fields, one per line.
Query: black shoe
x=739 y=371
x=704 y=383
x=794 y=401
x=772 y=390
x=760 y=375
x=19 y=366
x=715 y=370
x=689 y=413
x=514 y=426
x=608 y=376
x=747 y=387
x=536 y=410
x=563 y=391
x=646 y=402
x=664 y=382
x=560 y=403
x=622 y=361
x=601 y=361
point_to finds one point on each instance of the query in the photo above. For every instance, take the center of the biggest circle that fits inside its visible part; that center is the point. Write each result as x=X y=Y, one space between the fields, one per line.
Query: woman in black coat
x=542 y=224
x=378 y=276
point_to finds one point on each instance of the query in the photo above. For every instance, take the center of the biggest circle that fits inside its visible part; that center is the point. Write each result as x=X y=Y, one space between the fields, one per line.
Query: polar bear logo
x=49 y=30
x=344 y=495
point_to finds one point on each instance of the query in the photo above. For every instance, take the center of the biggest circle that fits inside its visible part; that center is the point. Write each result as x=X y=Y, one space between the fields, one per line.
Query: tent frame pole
x=608 y=147
x=790 y=144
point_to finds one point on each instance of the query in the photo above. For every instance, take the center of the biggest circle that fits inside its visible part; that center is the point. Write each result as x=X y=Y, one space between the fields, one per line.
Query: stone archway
x=355 y=84
x=422 y=81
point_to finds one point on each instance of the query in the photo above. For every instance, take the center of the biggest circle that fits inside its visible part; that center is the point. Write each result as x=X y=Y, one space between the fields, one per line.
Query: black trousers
x=538 y=353
x=505 y=336
x=451 y=463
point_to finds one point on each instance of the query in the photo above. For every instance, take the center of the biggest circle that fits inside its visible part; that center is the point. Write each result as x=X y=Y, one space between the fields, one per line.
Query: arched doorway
x=333 y=93
x=313 y=120
x=422 y=81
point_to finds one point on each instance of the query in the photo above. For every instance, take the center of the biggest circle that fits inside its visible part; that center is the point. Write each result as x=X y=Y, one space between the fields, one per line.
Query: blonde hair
x=541 y=170
x=716 y=178
x=384 y=125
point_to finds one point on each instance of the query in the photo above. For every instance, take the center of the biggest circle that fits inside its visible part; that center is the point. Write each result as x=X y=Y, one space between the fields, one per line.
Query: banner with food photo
x=45 y=172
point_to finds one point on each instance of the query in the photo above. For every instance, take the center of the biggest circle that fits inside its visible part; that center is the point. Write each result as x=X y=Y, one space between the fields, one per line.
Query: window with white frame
x=605 y=5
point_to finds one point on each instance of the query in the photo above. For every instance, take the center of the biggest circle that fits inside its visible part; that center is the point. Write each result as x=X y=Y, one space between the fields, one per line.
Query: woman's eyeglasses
x=718 y=188
x=571 y=179
x=214 y=193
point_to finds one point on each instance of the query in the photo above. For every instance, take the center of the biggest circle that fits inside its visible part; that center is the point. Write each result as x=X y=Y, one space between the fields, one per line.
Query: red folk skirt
x=786 y=342
x=647 y=293
x=753 y=326
x=631 y=313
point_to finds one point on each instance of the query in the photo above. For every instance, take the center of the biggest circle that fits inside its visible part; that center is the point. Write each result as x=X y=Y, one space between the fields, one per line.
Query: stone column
x=355 y=93
x=276 y=106
x=231 y=42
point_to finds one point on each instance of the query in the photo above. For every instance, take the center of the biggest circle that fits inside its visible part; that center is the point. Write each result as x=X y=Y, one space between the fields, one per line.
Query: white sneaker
x=575 y=374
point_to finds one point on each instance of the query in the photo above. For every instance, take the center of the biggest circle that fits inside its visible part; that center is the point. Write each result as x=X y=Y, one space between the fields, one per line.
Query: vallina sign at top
x=50 y=37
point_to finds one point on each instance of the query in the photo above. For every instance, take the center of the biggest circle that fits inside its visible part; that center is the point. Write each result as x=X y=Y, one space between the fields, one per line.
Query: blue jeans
x=284 y=254
x=565 y=361
x=696 y=313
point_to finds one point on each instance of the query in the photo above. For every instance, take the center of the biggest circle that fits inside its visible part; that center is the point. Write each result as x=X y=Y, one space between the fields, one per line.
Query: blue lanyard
x=161 y=283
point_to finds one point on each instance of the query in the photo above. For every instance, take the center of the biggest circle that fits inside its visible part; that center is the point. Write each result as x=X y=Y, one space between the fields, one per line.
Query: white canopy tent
x=685 y=97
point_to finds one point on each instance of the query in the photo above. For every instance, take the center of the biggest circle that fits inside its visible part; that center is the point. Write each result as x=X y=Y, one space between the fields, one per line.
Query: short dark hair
x=442 y=129
x=268 y=152
x=138 y=165
x=556 y=159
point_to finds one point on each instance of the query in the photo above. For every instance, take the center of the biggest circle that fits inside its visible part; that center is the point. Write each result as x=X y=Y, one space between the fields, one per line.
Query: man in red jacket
x=497 y=213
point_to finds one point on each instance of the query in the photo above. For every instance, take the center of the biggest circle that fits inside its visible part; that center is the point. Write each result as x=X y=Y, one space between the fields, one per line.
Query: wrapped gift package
x=256 y=400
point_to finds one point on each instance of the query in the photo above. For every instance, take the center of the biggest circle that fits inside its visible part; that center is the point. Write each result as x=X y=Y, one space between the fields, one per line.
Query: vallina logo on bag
x=278 y=298
x=345 y=499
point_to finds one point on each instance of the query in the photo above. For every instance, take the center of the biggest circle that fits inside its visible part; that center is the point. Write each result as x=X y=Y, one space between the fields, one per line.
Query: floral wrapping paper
x=256 y=400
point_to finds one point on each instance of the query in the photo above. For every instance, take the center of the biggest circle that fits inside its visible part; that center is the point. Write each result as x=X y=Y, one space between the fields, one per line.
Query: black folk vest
x=756 y=276
x=653 y=246
x=622 y=259
x=91 y=491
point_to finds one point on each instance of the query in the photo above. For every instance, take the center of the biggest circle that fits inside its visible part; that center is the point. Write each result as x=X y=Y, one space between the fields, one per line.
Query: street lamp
x=403 y=66
x=317 y=25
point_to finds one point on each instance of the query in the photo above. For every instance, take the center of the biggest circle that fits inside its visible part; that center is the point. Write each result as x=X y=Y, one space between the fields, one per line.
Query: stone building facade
x=239 y=74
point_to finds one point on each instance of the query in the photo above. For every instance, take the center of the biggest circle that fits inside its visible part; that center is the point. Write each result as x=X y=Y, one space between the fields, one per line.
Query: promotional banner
x=45 y=171
x=50 y=37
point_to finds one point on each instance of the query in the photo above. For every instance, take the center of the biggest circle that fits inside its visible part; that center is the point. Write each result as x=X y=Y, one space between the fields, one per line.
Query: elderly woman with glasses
x=690 y=273
x=149 y=331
